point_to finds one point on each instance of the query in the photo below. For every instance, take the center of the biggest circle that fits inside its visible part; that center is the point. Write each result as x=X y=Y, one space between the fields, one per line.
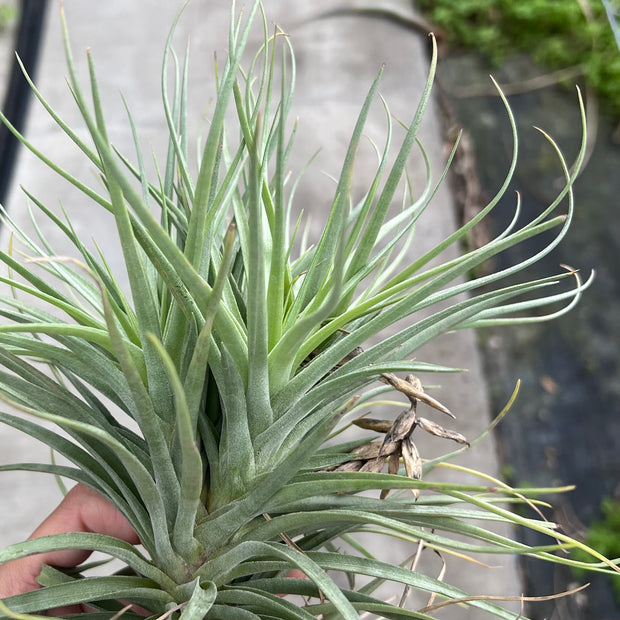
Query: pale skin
x=82 y=510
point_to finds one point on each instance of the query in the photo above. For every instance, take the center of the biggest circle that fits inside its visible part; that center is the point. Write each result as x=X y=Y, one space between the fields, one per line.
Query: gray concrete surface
x=337 y=59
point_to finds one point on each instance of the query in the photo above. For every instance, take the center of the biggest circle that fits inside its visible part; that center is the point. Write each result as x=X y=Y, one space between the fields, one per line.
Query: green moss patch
x=556 y=34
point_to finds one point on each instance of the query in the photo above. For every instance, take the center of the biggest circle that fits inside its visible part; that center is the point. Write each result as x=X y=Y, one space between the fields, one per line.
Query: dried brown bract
x=402 y=426
x=372 y=424
x=440 y=431
x=411 y=459
x=398 y=442
x=411 y=387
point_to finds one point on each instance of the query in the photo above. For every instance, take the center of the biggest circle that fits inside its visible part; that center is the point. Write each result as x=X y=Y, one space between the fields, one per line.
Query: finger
x=296 y=574
x=82 y=510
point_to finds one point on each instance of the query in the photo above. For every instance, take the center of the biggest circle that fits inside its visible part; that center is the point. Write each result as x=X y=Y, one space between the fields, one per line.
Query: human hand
x=82 y=510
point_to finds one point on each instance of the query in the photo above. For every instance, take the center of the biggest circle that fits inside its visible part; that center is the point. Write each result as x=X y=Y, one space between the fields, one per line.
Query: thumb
x=82 y=510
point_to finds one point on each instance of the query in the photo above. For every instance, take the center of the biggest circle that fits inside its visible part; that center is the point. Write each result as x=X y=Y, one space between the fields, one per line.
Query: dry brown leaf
x=413 y=391
x=533 y=599
x=393 y=465
x=369 y=450
x=439 y=431
x=372 y=424
x=374 y=465
x=350 y=466
x=411 y=458
x=401 y=427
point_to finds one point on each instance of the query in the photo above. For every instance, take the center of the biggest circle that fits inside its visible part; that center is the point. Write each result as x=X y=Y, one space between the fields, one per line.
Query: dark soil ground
x=565 y=425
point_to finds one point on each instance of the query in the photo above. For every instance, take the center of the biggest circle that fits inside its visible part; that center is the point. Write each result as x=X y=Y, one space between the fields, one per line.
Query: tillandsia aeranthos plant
x=239 y=356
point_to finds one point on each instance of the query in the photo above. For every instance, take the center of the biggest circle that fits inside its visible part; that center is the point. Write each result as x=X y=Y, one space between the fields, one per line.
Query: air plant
x=207 y=404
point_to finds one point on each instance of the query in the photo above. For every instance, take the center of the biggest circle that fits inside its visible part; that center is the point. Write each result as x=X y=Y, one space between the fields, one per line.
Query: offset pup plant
x=238 y=357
